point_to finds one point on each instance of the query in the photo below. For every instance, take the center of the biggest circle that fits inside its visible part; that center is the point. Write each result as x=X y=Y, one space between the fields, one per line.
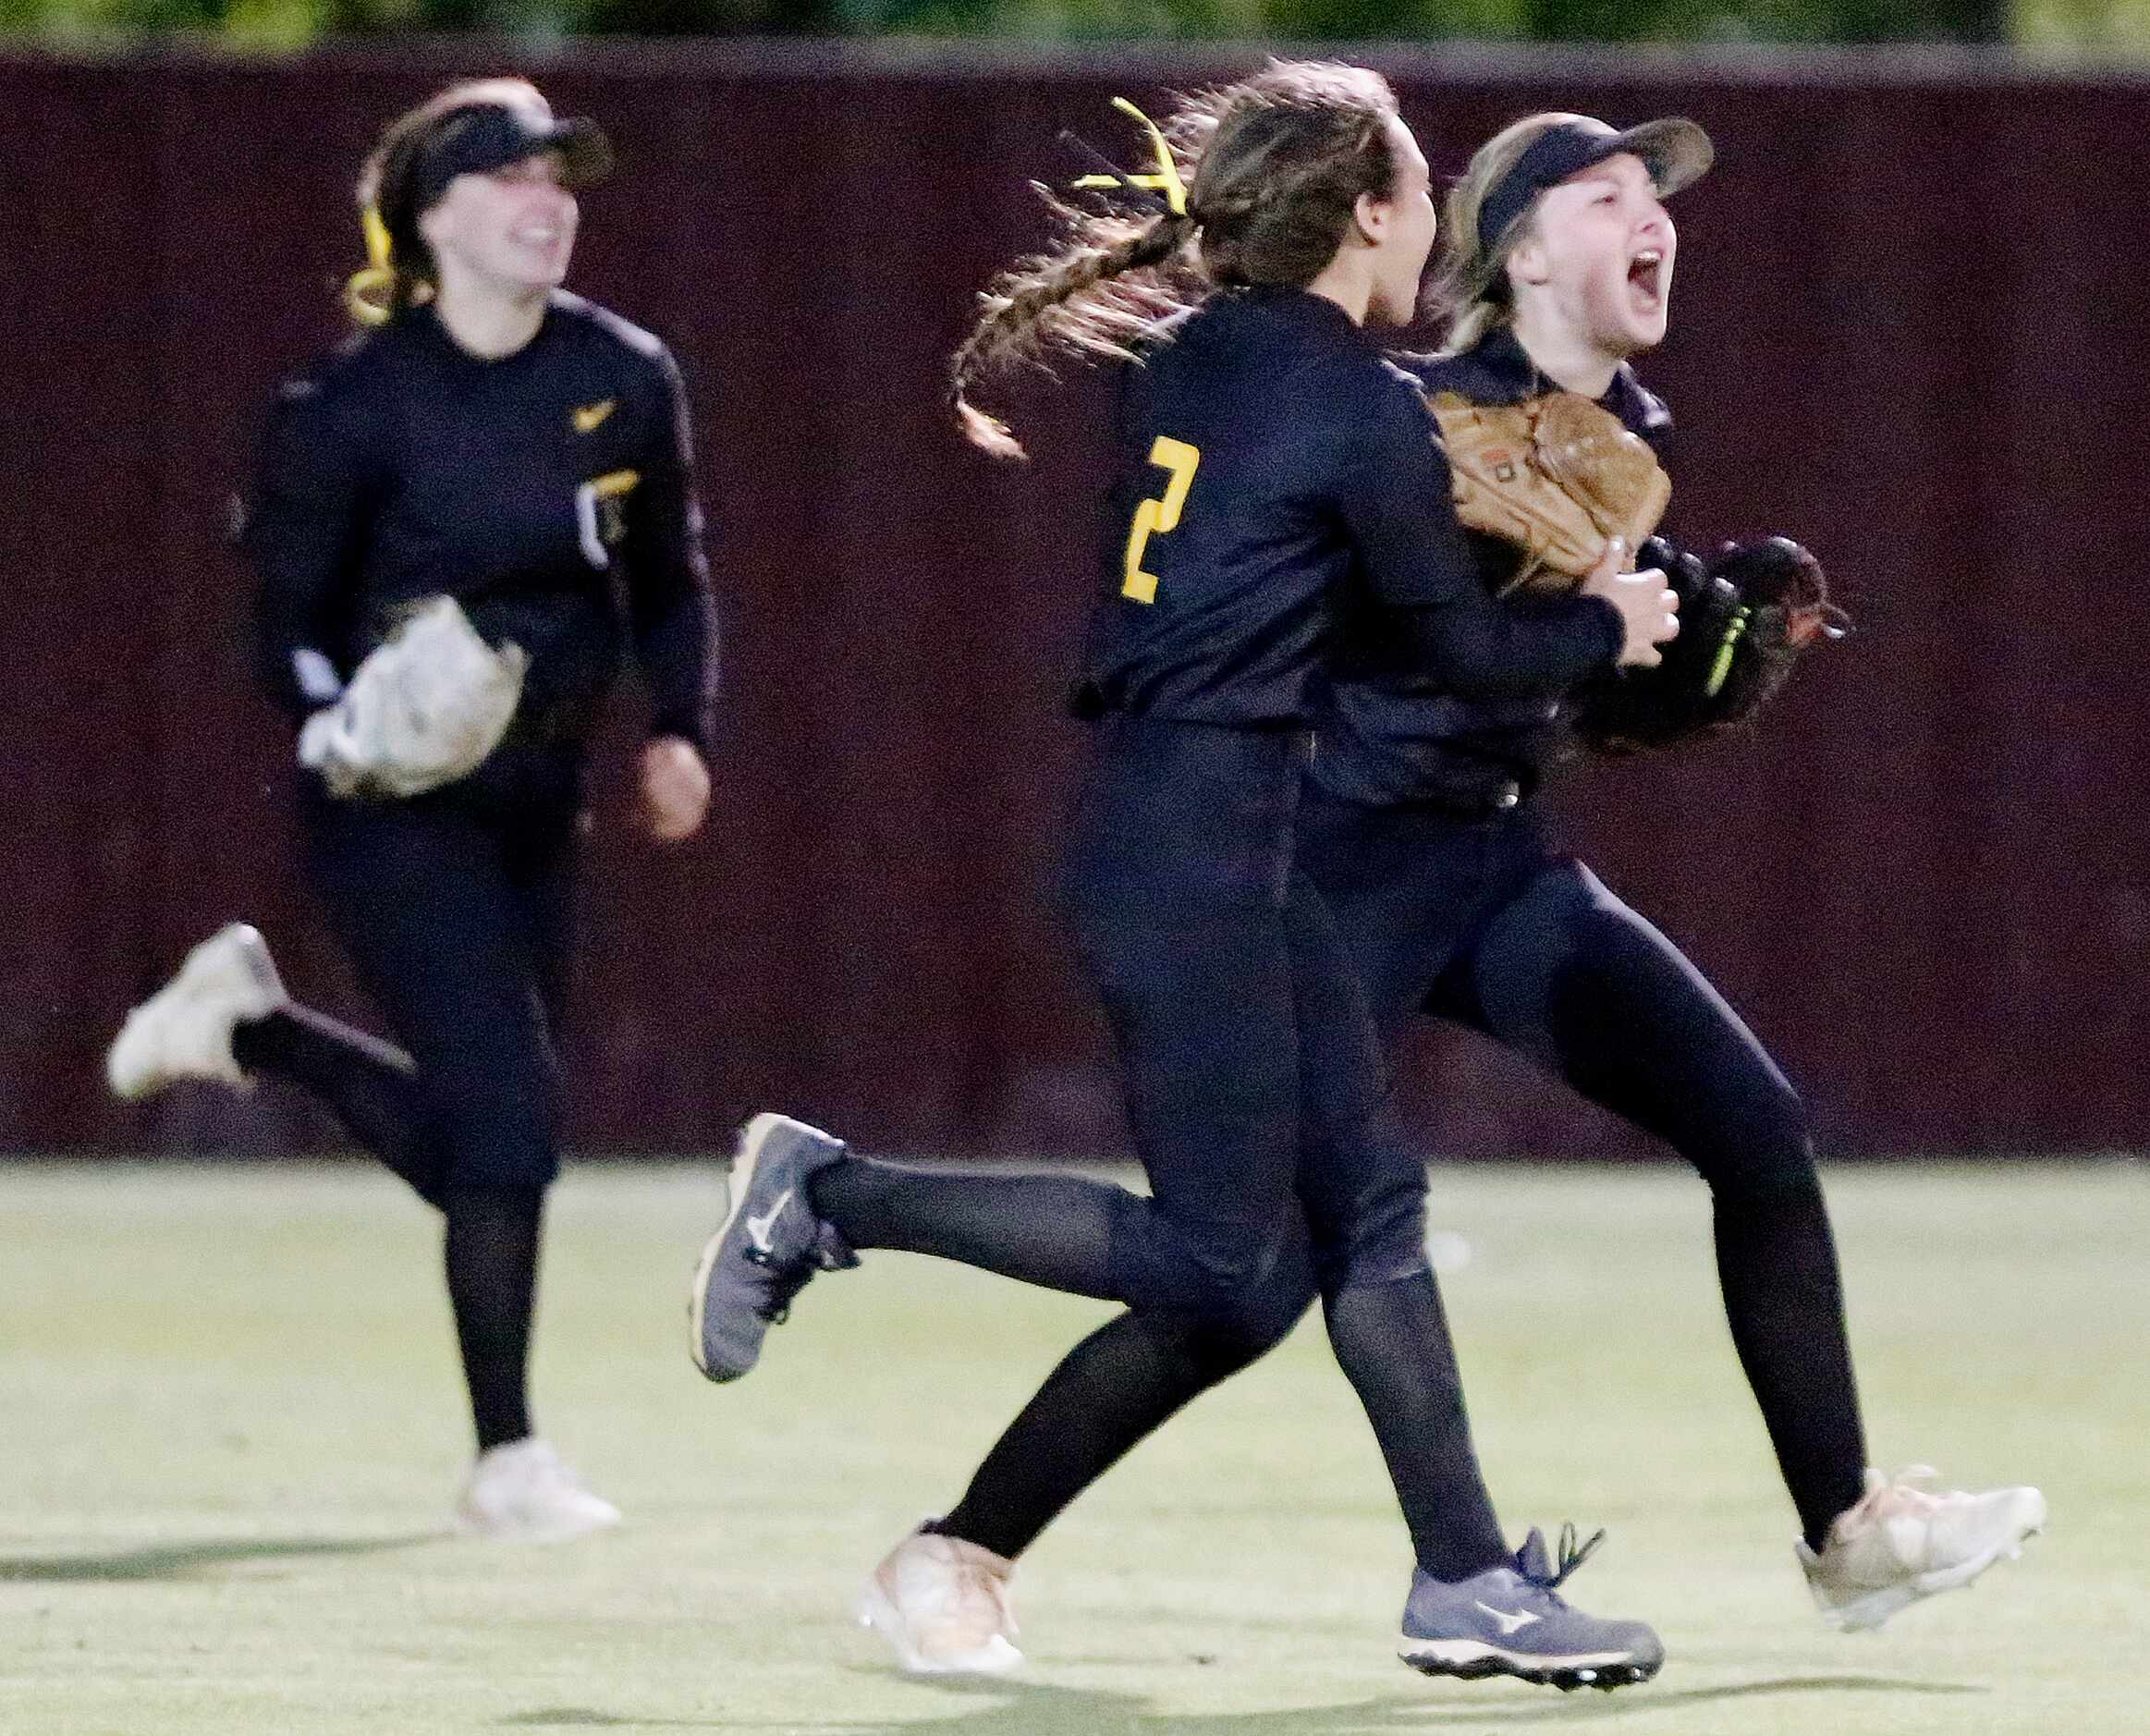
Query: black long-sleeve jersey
x=402 y=467
x=1397 y=729
x=1270 y=463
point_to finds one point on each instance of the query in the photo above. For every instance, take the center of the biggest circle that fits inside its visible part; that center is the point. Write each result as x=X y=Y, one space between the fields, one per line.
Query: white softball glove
x=425 y=709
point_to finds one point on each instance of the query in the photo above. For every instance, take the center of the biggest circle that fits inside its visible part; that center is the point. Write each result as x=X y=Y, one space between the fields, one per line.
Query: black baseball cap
x=1676 y=152
x=488 y=136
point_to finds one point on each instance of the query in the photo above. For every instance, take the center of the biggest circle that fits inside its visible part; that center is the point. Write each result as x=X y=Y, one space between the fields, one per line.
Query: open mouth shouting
x=1649 y=277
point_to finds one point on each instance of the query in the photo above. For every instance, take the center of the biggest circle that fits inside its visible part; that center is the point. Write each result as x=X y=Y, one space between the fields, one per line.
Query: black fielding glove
x=1745 y=618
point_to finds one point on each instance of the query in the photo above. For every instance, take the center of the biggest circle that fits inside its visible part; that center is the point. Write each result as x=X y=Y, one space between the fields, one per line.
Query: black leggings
x=1530 y=948
x=457 y=910
x=1477 y=922
x=1252 y=1077
x=458 y=916
x=1253 y=1089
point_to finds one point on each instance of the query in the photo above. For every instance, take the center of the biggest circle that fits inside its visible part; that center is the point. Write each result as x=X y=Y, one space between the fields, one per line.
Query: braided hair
x=1275 y=167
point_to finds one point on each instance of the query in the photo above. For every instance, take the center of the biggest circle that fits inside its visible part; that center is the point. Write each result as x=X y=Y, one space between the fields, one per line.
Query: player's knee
x=1379 y=1252
x=499 y=1126
x=515 y=1150
x=1376 y=1236
x=1220 y=1348
x=1768 y=1157
x=1242 y=1308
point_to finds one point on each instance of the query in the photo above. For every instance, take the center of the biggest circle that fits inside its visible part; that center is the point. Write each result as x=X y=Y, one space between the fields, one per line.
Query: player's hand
x=675 y=784
x=1649 y=608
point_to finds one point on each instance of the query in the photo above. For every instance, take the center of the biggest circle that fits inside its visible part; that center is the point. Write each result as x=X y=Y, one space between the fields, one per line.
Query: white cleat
x=523 y=1493
x=945 y=1605
x=184 y=1030
x=1900 y=1544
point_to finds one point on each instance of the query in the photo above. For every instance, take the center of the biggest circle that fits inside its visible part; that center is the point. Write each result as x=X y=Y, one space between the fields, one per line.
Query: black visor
x=490 y=135
x=1676 y=152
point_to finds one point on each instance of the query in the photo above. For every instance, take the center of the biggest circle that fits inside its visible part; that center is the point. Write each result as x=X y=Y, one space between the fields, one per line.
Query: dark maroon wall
x=1910 y=328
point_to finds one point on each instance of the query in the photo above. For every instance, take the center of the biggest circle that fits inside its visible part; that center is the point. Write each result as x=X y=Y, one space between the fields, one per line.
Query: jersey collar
x=1496 y=371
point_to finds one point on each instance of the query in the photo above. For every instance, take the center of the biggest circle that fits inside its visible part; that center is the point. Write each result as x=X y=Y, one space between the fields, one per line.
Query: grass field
x=231 y=1426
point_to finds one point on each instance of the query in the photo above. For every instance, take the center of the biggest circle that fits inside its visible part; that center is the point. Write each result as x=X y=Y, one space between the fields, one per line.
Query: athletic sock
x=1392 y=1342
x=1109 y=1391
x=1777 y=1262
x=492 y=1256
x=1052 y=1231
x=367 y=1083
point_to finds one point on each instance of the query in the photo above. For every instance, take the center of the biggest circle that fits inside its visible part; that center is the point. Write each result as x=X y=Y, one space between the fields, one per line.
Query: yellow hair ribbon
x=378 y=246
x=1166 y=180
x=367 y=291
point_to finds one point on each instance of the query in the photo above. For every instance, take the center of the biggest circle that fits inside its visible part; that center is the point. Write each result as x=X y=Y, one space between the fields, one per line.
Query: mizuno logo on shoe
x=758 y=1228
x=1508 y=1621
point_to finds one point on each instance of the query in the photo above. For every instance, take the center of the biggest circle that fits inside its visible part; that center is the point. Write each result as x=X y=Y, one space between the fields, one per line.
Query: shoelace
x=1569 y=1558
x=784 y=1283
x=830 y=1253
x=1002 y=1596
x=975 y=1590
x=1897 y=1495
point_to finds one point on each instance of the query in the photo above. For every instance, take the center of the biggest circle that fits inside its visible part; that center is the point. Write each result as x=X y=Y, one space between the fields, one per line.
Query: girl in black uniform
x=1416 y=828
x=492 y=439
x=1449 y=900
x=1270 y=463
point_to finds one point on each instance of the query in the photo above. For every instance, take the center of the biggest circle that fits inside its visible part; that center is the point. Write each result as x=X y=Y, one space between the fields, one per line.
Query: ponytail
x=1077 y=298
x=1258 y=181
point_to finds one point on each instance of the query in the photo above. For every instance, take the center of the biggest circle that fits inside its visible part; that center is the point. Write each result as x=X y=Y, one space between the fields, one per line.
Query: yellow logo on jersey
x=601 y=513
x=587 y=416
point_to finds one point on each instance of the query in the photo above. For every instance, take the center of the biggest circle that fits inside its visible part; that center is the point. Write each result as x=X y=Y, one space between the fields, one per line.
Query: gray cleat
x=769 y=1245
x=1510 y=1621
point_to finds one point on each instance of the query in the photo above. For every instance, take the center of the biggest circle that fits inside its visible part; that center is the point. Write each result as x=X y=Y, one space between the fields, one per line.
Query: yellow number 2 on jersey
x=1177 y=459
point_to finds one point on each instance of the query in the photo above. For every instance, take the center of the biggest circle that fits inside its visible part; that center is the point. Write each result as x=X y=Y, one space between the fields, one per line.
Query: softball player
x=1415 y=826
x=488 y=438
x=1270 y=463
x=1450 y=901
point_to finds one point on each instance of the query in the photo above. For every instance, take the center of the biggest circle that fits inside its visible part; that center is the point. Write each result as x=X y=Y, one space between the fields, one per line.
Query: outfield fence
x=1910 y=328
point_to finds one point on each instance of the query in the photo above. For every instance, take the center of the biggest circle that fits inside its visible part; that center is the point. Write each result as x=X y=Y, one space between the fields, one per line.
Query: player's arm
x=1393 y=489
x=672 y=615
x=671 y=608
x=302 y=527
